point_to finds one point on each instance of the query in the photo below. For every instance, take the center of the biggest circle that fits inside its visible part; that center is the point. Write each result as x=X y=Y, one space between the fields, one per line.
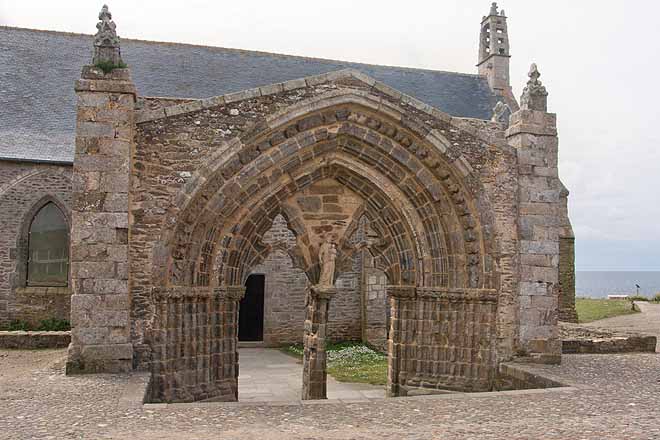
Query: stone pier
x=314 y=356
x=100 y=302
x=533 y=132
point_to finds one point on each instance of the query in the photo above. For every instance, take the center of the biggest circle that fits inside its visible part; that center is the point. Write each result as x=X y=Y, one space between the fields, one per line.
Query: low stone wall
x=33 y=304
x=623 y=344
x=583 y=340
x=515 y=377
x=32 y=340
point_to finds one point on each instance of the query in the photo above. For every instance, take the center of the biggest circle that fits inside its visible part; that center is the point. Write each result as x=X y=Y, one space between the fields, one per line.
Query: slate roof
x=38 y=70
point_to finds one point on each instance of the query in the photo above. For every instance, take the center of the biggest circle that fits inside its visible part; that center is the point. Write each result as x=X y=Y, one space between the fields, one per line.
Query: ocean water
x=600 y=284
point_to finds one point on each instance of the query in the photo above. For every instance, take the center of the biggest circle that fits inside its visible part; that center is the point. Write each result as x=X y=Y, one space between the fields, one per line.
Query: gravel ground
x=617 y=397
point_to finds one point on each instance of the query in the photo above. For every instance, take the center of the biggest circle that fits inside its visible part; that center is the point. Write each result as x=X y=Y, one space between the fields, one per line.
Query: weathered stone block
x=108 y=352
x=539 y=247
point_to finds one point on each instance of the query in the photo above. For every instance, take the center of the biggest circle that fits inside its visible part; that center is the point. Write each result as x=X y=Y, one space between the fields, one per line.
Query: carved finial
x=534 y=96
x=501 y=113
x=493 y=8
x=106 y=41
x=502 y=14
x=534 y=74
x=105 y=14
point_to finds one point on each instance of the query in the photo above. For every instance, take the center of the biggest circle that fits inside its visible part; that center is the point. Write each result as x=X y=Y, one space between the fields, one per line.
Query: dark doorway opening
x=251 y=312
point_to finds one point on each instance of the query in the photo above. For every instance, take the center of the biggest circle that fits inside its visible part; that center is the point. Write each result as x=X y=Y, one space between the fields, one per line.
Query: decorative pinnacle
x=106 y=41
x=493 y=8
x=534 y=96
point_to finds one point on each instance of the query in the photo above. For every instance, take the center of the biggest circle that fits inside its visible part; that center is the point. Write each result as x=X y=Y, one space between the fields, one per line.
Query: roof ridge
x=248 y=51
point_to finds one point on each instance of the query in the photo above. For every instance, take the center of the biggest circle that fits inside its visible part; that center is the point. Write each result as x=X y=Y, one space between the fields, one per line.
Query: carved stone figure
x=501 y=113
x=327 y=257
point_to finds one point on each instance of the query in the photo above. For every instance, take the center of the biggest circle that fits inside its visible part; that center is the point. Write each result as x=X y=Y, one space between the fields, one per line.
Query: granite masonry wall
x=24 y=189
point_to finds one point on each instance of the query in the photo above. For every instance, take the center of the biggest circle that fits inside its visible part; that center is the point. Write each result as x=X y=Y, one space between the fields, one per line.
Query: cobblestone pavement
x=617 y=397
x=647 y=322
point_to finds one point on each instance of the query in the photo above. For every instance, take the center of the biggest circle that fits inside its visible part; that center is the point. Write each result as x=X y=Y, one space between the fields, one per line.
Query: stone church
x=174 y=201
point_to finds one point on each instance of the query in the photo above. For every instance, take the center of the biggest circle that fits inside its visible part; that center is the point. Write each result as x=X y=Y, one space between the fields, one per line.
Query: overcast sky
x=598 y=60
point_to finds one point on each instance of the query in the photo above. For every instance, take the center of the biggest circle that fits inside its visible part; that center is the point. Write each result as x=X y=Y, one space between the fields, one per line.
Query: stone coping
x=447 y=396
x=194 y=105
x=136 y=392
x=521 y=371
x=309 y=81
x=578 y=339
x=616 y=344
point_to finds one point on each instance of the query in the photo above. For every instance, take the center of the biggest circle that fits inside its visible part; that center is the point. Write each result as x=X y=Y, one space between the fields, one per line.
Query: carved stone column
x=314 y=340
x=400 y=298
x=226 y=363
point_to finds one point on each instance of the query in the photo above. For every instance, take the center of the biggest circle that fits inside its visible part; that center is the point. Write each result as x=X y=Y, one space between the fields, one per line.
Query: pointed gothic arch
x=433 y=213
x=23 y=242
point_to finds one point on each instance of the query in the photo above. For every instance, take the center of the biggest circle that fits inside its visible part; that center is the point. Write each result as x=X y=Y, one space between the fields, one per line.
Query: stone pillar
x=230 y=299
x=314 y=340
x=533 y=132
x=394 y=344
x=401 y=299
x=100 y=304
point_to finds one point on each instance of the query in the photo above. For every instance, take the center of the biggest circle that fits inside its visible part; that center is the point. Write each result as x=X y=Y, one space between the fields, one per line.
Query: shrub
x=54 y=325
x=108 y=67
x=295 y=350
x=638 y=298
x=656 y=298
x=18 y=325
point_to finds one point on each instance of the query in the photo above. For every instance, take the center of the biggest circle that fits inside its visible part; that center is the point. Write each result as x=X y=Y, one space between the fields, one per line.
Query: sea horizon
x=600 y=283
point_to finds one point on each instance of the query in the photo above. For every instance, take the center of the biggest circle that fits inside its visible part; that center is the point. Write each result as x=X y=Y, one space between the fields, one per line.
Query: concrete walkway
x=270 y=375
x=647 y=322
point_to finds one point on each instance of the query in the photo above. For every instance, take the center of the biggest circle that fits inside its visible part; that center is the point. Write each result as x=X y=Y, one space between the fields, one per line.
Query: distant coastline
x=599 y=284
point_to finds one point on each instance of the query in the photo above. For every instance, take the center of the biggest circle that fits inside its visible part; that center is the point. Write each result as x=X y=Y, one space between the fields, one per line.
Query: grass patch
x=18 y=325
x=351 y=362
x=54 y=325
x=589 y=309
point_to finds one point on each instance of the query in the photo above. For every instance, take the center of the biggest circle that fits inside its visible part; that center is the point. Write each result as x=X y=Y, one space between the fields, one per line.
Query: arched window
x=48 y=248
